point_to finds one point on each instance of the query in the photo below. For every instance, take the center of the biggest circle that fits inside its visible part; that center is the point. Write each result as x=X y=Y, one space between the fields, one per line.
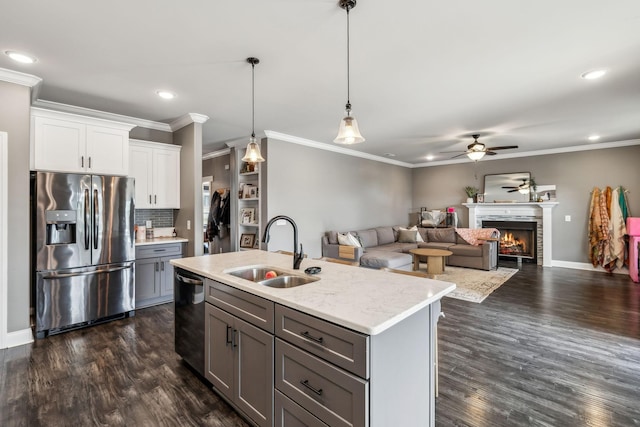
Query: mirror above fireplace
x=507 y=187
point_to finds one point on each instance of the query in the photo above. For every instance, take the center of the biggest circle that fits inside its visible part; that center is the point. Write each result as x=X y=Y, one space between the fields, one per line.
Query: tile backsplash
x=160 y=217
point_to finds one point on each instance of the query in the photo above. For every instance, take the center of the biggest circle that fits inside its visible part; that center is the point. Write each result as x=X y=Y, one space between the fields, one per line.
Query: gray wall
x=14 y=119
x=574 y=174
x=322 y=191
x=190 y=138
x=153 y=135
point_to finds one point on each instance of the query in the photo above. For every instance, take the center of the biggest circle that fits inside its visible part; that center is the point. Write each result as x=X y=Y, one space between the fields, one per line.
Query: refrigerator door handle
x=95 y=219
x=86 y=219
x=85 y=273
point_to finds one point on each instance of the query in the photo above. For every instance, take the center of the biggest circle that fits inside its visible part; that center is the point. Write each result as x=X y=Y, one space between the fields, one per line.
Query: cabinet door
x=219 y=350
x=254 y=372
x=59 y=145
x=140 y=168
x=107 y=150
x=146 y=279
x=166 y=178
x=166 y=275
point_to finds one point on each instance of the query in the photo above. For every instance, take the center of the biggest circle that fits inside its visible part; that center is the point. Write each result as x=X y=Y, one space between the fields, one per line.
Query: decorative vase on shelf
x=469 y=199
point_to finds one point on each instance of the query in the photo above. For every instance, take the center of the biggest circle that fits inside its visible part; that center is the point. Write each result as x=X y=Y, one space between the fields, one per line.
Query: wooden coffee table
x=435 y=259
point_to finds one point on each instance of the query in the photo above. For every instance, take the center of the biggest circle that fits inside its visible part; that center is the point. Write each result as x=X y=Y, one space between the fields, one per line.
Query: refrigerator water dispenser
x=61 y=227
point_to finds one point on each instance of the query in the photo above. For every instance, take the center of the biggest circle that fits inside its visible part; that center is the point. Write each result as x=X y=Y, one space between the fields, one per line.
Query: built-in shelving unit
x=248 y=209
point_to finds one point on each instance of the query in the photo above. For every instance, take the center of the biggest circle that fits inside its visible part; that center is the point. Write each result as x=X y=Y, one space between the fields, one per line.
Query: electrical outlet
x=567 y=218
x=226 y=167
x=188 y=224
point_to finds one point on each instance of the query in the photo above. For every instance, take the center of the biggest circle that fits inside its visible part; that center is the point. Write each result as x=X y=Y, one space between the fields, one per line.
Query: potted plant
x=533 y=188
x=471 y=193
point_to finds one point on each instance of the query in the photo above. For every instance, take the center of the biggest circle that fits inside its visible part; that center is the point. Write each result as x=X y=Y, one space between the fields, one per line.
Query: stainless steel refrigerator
x=84 y=250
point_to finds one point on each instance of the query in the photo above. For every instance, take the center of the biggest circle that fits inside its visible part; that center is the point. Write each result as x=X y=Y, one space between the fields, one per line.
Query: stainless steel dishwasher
x=189 y=318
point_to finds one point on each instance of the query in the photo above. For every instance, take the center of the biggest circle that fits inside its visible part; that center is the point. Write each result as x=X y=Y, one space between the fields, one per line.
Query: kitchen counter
x=361 y=299
x=161 y=241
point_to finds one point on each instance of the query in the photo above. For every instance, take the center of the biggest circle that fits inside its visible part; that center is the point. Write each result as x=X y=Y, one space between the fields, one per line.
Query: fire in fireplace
x=517 y=238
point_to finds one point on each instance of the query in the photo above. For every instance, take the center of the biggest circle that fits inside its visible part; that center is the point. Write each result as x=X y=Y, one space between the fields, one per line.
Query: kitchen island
x=355 y=347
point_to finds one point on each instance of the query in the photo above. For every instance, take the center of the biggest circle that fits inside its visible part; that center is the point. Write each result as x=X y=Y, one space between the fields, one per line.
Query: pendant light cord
x=348 y=61
x=253 y=100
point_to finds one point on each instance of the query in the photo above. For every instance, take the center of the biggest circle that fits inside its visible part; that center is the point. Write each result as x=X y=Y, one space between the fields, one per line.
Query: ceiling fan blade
x=511 y=187
x=504 y=147
x=513 y=191
x=491 y=153
x=461 y=154
x=456 y=151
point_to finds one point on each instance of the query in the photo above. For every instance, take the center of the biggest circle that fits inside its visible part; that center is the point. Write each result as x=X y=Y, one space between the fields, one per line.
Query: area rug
x=474 y=285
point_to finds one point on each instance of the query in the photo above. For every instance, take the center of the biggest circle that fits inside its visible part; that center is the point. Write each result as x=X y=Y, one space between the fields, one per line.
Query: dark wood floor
x=551 y=347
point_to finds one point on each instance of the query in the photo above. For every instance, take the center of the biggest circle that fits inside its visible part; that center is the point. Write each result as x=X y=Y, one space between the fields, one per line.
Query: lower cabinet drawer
x=290 y=414
x=336 y=397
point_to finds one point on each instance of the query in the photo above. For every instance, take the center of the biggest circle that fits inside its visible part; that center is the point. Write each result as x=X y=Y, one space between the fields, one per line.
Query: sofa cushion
x=333 y=237
x=368 y=237
x=407 y=236
x=348 y=239
x=435 y=245
x=395 y=247
x=466 y=250
x=414 y=228
x=441 y=235
x=380 y=259
x=385 y=235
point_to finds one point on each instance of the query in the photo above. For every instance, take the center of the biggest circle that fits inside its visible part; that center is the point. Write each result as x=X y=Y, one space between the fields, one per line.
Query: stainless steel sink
x=283 y=279
x=255 y=274
x=288 y=281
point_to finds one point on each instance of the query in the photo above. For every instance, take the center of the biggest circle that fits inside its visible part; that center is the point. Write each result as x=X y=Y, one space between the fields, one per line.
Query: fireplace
x=517 y=238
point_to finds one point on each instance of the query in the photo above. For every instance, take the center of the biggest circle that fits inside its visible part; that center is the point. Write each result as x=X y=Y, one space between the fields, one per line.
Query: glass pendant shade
x=252 y=155
x=476 y=155
x=348 y=133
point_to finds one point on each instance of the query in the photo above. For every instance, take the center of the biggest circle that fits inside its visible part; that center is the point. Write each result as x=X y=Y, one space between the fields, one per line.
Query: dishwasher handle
x=188 y=281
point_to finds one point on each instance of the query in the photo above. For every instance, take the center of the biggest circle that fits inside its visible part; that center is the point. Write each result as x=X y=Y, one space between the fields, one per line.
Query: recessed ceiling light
x=430 y=157
x=389 y=155
x=165 y=94
x=594 y=137
x=20 y=57
x=593 y=74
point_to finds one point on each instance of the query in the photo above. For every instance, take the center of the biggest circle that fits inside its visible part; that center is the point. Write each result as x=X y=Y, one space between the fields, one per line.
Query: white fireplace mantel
x=521 y=210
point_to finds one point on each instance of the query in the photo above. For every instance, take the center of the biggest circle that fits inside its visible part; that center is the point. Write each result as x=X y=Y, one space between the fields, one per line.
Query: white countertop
x=362 y=299
x=161 y=240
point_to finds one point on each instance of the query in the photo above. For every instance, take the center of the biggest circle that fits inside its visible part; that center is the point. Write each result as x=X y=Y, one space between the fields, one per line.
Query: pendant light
x=252 y=155
x=348 y=133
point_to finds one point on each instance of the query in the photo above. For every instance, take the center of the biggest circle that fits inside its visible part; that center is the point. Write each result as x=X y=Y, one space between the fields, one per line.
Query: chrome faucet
x=297 y=256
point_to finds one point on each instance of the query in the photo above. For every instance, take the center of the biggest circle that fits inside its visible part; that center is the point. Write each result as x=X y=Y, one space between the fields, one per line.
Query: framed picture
x=246 y=191
x=253 y=192
x=248 y=216
x=247 y=240
x=480 y=198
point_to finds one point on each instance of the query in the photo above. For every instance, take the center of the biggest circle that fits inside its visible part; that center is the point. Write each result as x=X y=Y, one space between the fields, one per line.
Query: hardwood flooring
x=551 y=347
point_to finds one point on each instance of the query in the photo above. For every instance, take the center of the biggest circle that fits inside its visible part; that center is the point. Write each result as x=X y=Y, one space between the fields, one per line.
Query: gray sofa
x=388 y=247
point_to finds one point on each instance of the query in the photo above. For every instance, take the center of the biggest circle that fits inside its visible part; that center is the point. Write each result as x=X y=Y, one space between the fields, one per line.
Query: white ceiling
x=424 y=74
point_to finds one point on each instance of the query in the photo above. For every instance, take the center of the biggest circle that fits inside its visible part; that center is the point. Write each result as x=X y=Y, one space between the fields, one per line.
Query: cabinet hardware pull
x=156 y=264
x=89 y=162
x=81 y=161
x=162 y=266
x=310 y=387
x=228 y=339
x=155 y=199
x=149 y=198
x=234 y=338
x=306 y=334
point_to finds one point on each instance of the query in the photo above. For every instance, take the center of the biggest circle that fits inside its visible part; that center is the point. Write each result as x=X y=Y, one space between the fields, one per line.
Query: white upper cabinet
x=156 y=169
x=64 y=142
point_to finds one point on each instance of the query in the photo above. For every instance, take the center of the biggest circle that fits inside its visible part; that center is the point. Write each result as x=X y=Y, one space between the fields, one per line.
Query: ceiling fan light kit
x=252 y=155
x=348 y=133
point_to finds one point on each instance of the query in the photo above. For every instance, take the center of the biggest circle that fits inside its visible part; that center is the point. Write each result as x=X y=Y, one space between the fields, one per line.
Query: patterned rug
x=474 y=285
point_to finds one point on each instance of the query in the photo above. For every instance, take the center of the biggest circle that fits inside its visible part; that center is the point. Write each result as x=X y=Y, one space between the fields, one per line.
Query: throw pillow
x=348 y=239
x=419 y=238
x=407 y=236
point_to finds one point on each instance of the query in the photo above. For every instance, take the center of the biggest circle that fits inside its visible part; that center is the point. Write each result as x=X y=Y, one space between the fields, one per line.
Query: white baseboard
x=586 y=266
x=17 y=338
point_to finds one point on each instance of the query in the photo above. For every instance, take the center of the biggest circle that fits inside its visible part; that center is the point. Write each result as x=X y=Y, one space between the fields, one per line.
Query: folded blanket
x=473 y=236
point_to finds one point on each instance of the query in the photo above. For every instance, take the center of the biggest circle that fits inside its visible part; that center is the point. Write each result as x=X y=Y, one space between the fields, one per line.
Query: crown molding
x=19 y=78
x=573 y=149
x=187 y=119
x=66 y=108
x=336 y=149
x=215 y=154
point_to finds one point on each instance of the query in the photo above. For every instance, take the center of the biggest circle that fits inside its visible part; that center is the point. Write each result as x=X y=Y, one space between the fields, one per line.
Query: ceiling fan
x=476 y=150
x=523 y=186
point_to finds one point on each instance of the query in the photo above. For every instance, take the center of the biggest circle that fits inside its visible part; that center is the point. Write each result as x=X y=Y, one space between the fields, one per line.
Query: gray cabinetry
x=238 y=353
x=154 y=273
